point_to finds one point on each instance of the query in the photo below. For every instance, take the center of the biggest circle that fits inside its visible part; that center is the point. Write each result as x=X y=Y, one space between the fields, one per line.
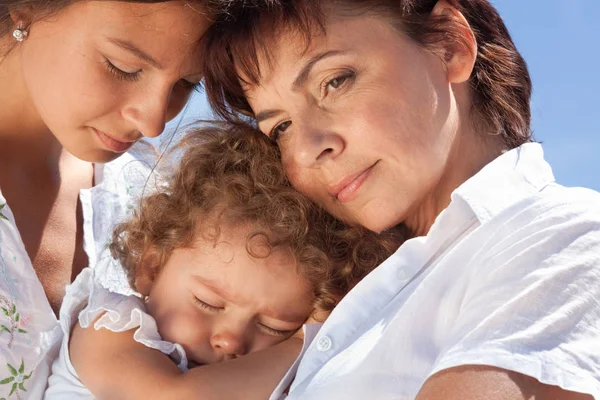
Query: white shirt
x=508 y=276
x=31 y=337
x=88 y=302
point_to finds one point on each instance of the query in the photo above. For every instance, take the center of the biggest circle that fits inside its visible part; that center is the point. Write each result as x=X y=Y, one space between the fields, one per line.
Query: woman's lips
x=112 y=144
x=347 y=189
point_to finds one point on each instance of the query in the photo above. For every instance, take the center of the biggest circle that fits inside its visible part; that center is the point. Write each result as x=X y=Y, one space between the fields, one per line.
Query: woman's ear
x=459 y=46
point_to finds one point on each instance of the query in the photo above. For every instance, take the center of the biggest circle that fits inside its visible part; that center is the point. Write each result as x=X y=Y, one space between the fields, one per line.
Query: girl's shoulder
x=29 y=331
x=92 y=305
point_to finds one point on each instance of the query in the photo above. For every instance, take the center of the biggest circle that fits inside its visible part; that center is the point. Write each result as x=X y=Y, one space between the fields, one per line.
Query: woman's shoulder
x=553 y=205
x=572 y=210
x=575 y=198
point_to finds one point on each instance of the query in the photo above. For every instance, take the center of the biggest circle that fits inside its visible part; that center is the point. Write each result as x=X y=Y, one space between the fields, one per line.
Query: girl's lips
x=113 y=144
x=348 y=187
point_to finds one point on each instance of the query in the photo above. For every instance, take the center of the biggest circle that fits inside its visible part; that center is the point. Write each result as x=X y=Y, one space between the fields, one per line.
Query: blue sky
x=559 y=41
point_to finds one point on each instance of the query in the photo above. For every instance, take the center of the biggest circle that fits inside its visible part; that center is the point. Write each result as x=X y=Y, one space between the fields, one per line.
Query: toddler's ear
x=146 y=272
x=143 y=282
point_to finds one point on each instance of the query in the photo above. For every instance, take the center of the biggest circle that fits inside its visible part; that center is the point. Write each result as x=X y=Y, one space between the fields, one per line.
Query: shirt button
x=324 y=343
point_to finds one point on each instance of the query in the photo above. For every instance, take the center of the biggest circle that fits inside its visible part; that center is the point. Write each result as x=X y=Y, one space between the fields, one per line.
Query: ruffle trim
x=118 y=313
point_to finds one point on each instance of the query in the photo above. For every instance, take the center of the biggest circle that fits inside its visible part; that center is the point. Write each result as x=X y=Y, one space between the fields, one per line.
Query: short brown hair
x=233 y=173
x=500 y=81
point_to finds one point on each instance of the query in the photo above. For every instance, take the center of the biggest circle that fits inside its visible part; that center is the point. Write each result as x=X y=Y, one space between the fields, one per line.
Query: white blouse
x=508 y=276
x=30 y=334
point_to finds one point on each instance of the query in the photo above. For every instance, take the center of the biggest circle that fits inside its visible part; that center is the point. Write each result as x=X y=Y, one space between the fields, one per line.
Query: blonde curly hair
x=232 y=173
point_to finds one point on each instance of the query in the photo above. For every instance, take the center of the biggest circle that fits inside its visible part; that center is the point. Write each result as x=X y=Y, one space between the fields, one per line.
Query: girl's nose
x=228 y=343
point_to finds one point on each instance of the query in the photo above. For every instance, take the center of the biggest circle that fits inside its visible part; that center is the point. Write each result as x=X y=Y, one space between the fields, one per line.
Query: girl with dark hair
x=80 y=83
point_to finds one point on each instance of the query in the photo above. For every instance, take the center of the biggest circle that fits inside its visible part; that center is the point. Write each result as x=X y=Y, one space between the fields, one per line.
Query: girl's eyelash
x=195 y=86
x=269 y=330
x=274 y=331
x=126 y=76
x=204 y=305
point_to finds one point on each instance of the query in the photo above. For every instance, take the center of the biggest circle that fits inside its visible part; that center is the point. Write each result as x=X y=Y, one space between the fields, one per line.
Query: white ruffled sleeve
x=88 y=302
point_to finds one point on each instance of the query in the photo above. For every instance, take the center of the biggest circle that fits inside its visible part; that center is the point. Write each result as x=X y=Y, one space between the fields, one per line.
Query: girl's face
x=219 y=302
x=100 y=75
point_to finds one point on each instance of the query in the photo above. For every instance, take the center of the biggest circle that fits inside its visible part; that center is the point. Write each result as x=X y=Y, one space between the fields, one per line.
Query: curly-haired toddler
x=229 y=261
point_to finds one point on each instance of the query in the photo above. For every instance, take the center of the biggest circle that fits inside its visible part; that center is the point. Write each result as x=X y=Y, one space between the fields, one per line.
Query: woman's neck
x=470 y=152
x=24 y=138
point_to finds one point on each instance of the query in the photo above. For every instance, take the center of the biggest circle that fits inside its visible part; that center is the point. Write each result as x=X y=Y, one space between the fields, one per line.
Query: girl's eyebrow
x=216 y=290
x=286 y=316
x=136 y=51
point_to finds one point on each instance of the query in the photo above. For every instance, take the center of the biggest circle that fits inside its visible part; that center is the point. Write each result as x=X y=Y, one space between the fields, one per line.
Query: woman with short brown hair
x=416 y=113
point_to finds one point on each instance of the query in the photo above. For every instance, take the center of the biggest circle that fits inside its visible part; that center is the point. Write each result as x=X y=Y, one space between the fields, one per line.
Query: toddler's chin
x=193 y=364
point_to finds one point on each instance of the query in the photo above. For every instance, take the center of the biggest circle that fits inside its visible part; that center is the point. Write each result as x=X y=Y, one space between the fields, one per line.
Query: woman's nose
x=228 y=343
x=312 y=144
x=148 y=112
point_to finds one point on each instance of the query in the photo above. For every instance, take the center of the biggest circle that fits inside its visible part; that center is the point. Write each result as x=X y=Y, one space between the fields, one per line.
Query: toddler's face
x=219 y=302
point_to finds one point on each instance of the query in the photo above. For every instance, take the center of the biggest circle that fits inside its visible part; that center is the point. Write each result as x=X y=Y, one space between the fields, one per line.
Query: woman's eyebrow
x=133 y=49
x=305 y=71
x=266 y=114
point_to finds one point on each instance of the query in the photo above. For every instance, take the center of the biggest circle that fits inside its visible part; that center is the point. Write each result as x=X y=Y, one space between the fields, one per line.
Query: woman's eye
x=337 y=82
x=279 y=129
x=119 y=73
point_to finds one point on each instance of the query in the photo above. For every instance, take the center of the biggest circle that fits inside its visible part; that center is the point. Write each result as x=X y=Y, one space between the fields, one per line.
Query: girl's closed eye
x=121 y=72
x=205 y=305
x=275 y=332
x=189 y=85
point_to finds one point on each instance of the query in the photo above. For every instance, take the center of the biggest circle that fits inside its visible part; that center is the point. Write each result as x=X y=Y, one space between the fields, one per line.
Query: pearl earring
x=20 y=34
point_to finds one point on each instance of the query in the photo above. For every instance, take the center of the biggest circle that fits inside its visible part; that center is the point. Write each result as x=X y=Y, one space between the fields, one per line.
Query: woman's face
x=100 y=75
x=365 y=119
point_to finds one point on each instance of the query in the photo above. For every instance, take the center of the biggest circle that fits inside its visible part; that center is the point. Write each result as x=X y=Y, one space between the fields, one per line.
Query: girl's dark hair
x=500 y=81
x=40 y=9
x=234 y=174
